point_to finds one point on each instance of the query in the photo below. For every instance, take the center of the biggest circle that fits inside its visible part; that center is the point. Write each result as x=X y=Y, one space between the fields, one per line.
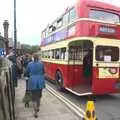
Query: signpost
x=2 y=53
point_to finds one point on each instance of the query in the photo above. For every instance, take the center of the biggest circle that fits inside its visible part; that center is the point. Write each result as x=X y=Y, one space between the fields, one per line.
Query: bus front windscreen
x=104 y=15
x=107 y=53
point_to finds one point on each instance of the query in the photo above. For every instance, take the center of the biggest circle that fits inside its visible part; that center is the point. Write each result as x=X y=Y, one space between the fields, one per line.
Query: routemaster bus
x=81 y=49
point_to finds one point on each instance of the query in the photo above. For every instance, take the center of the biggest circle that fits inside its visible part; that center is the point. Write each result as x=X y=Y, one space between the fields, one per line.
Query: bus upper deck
x=86 y=18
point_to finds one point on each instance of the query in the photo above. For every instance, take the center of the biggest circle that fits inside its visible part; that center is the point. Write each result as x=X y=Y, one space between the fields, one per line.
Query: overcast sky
x=33 y=16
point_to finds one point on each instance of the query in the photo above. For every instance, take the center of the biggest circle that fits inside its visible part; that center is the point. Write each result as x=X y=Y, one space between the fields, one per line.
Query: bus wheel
x=59 y=81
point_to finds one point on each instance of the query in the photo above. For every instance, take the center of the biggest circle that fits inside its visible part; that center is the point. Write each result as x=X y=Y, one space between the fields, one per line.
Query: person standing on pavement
x=27 y=59
x=36 y=82
x=19 y=66
x=11 y=56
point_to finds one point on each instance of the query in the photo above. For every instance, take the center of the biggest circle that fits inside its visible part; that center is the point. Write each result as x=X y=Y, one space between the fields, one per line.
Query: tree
x=29 y=49
x=35 y=48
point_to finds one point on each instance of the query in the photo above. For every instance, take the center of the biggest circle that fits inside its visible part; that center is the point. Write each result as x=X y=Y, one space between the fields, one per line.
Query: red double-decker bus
x=81 y=49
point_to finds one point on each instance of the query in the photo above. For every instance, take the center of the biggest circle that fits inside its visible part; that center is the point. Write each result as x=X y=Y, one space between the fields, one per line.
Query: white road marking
x=77 y=110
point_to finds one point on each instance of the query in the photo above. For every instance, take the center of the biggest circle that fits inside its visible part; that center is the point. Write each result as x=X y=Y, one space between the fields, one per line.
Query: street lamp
x=6 y=25
x=15 y=30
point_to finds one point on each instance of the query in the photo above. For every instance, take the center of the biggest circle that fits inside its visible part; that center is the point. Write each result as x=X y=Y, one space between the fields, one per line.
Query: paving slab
x=50 y=109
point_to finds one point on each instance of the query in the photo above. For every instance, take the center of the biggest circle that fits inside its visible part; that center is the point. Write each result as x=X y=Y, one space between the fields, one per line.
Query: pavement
x=51 y=108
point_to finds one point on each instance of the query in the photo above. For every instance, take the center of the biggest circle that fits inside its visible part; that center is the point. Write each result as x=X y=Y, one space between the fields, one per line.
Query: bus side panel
x=72 y=75
x=90 y=28
x=75 y=75
x=103 y=85
x=51 y=69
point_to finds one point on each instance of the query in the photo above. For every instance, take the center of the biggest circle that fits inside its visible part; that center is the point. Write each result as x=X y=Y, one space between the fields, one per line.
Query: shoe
x=38 y=110
x=35 y=115
x=27 y=105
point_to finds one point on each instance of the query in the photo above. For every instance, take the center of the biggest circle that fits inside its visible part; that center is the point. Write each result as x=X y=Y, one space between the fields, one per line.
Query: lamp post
x=15 y=30
x=6 y=25
x=15 y=43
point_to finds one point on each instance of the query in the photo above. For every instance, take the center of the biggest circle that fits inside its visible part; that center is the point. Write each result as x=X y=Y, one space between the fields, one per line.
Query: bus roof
x=98 y=4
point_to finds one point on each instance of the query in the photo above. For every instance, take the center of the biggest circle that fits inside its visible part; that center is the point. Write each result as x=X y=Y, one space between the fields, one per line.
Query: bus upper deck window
x=59 y=22
x=72 y=15
x=104 y=15
x=53 y=28
x=66 y=18
x=50 y=28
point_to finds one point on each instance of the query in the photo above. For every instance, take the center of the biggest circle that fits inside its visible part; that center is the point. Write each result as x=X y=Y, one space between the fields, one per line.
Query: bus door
x=87 y=64
x=74 y=63
x=80 y=53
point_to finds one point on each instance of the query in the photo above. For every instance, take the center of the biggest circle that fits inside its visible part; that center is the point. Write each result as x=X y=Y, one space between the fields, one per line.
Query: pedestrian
x=27 y=97
x=27 y=58
x=11 y=56
x=36 y=82
x=19 y=66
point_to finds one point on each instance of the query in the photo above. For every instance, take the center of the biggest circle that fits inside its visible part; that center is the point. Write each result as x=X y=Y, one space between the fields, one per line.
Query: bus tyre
x=59 y=81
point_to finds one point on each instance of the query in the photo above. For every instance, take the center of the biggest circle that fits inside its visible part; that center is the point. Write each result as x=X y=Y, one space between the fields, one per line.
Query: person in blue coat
x=36 y=82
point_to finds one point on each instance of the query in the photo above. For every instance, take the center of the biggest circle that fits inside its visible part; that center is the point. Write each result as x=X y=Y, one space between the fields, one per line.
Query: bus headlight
x=113 y=70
